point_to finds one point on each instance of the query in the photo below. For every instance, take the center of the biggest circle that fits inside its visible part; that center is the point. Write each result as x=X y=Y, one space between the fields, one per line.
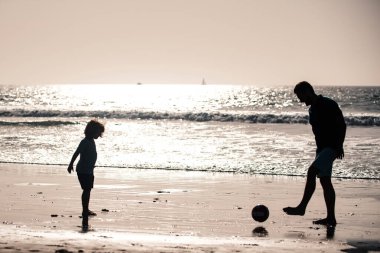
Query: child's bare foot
x=84 y=228
x=294 y=211
x=325 y=222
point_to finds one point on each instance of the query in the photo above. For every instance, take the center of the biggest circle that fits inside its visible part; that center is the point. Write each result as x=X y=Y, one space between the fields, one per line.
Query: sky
x=247 y=42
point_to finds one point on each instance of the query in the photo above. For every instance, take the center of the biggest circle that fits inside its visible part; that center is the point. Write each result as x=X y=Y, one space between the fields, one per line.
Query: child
x=86 y=164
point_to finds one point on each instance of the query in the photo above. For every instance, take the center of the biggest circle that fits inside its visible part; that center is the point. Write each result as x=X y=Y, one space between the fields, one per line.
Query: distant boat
x=203 y=81
x=139 y=83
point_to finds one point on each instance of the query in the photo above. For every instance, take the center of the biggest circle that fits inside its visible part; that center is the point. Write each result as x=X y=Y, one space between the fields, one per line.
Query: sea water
x=217 y=128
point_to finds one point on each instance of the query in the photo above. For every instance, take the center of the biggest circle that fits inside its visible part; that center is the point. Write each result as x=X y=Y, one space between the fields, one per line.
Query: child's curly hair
x=93 y=127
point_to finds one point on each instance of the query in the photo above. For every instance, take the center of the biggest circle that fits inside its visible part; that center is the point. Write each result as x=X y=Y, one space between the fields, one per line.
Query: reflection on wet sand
x=260 y=232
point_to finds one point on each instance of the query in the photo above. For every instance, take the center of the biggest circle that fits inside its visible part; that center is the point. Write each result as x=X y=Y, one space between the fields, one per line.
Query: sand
x=179 y=211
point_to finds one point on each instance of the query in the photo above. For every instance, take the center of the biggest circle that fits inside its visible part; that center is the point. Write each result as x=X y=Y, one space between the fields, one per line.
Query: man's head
x=305 y=92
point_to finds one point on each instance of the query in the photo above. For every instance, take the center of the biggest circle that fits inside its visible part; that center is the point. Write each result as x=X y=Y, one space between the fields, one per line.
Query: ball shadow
x=260 y=232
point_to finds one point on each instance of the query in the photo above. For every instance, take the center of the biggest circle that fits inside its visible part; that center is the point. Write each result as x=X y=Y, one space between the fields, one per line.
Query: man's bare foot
x=294 y=211
x=325 y=222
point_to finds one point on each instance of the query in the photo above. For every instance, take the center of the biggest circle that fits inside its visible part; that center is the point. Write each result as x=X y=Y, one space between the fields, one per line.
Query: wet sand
x=179 y=211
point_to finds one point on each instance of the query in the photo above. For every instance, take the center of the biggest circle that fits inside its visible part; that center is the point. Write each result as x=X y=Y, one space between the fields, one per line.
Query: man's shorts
x=86 y=181
x=324 y=162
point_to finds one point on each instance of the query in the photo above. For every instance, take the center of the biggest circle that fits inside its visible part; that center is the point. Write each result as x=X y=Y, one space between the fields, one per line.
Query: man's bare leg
x=308 y=193
x=329 y=194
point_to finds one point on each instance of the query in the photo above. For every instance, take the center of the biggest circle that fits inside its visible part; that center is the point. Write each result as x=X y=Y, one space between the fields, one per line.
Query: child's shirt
x=88 y=156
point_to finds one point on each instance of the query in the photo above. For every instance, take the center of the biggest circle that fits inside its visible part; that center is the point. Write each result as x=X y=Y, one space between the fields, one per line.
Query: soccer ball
x=260 y=213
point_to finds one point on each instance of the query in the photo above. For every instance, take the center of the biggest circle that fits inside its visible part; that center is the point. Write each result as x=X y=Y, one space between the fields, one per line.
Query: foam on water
x=275 y=149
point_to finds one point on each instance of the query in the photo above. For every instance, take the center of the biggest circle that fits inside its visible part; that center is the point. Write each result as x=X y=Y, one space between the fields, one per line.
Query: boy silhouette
x=86 y=164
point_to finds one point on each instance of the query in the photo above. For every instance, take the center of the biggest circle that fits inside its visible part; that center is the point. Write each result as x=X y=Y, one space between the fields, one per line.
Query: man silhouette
x=329 y=130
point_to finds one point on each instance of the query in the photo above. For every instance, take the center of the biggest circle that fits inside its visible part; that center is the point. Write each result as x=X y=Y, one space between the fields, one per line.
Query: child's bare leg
x=85 y=203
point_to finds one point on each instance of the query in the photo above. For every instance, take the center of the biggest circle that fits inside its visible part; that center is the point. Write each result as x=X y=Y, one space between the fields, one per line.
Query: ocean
x=216 y=128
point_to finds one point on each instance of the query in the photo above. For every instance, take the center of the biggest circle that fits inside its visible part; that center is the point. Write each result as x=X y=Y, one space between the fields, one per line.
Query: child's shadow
x=84 y=230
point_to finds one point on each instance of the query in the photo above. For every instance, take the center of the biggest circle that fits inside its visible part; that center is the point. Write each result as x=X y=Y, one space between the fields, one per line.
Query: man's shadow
x=362 y=246
x=330 y=232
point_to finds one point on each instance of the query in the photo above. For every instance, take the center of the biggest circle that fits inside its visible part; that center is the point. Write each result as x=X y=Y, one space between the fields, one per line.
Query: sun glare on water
x=143 y=97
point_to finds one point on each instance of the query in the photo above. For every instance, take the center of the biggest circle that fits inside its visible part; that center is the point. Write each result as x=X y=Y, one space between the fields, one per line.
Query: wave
x=46 y=123
x=271 y=118
x=213 y=170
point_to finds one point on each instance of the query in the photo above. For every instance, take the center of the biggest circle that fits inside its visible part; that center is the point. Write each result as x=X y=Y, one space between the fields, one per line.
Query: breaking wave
x=270 y=118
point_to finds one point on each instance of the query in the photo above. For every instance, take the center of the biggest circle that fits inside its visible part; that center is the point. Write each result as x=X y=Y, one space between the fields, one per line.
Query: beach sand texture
x=179 y=211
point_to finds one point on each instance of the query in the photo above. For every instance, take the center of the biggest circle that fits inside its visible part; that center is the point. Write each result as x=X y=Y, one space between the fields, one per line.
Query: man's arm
x=340 y=126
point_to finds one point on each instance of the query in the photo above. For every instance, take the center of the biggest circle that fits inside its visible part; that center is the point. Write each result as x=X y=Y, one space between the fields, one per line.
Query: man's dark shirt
x=327 y=123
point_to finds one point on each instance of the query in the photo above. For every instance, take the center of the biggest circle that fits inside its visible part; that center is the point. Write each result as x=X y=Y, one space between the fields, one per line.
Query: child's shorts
x=86 y=181
x=324 y=162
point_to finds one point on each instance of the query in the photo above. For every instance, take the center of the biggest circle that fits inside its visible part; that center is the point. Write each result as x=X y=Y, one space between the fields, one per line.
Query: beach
x=179 y=211
x=191 y=114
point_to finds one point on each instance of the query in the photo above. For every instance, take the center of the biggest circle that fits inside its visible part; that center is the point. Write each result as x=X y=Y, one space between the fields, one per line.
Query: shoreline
x=179 y=211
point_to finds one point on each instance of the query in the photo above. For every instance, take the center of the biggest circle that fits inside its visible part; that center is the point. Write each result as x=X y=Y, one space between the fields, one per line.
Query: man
x=329 y=129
